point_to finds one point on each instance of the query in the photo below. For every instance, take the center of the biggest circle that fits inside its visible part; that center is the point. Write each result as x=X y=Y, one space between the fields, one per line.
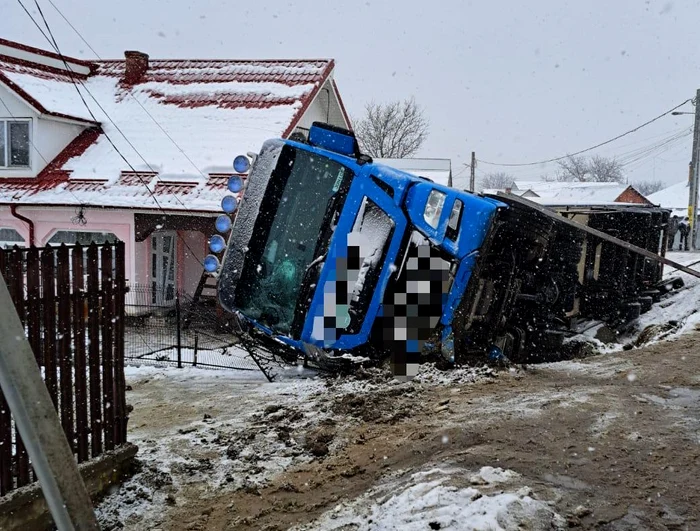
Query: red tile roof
x=213 y=94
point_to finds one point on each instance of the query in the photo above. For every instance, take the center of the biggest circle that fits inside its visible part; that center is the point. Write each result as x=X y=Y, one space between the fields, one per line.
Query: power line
x=130 y=94
x=32 y=19
x=660 y=147
x=73 y=28
x=54 y=44
x=555 y=159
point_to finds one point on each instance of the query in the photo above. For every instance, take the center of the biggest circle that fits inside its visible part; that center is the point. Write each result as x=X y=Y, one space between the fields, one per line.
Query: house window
x=9 y=238
x=14 y=143
x=84 y=238
x=70 y=237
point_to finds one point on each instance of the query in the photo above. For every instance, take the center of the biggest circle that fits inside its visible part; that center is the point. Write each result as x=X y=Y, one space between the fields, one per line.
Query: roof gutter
x=13 y=211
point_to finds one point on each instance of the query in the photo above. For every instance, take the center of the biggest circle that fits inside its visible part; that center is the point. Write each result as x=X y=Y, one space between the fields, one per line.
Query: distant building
x=577 y=193
x=675 y=198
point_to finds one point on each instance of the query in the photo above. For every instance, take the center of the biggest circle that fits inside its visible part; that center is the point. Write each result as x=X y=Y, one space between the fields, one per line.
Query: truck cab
x=331 y=251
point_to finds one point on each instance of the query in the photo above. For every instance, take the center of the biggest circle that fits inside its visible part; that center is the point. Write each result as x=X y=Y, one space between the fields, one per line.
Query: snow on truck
x=332 y=256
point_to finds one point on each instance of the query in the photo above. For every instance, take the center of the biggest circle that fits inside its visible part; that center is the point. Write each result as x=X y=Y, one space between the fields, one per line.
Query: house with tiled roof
x=139 y=149
x=559 y=193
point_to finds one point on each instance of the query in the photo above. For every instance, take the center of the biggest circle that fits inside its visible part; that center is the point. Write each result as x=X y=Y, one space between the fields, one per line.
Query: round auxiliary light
x=241 y=164
x=217 y=244
x=223 y=223
x=211 y=263
x=229 y=204
x=235 y=184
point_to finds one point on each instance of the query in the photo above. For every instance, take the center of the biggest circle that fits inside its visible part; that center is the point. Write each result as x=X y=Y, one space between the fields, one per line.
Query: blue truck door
x=348 y=297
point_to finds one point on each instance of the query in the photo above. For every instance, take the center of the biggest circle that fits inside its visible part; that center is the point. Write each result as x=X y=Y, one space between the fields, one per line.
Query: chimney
x=136 y=66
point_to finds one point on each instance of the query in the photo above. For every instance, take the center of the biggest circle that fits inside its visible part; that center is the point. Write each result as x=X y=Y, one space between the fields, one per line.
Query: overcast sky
x=514 y=81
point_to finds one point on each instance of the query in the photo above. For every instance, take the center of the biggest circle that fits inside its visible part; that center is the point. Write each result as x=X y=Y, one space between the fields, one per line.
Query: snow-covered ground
x=682 y=306
x=442 y=498
x=202 y=433
x=248 y=431
x=676 y=314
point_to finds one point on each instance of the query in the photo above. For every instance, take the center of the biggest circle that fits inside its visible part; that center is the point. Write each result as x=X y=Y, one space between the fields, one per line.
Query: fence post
x=179 y=326
x=196 y=345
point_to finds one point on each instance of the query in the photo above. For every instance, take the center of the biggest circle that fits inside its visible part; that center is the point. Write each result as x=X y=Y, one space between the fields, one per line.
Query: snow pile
x=489 y=474
x=256 y=436
x=428 y=373
x=675 y=314
x=678 y=313
x=436 y=499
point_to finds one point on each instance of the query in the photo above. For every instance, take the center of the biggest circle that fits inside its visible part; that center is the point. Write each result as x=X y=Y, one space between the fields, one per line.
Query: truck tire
x=646 y=303
x=632 y=311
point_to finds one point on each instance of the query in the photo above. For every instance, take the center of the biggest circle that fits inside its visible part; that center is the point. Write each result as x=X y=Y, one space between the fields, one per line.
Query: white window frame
x=91 y=231
x=9 y=244
x=4 y=123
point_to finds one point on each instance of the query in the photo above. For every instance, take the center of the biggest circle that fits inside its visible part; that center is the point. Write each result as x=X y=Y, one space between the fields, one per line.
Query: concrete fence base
x=25 y=508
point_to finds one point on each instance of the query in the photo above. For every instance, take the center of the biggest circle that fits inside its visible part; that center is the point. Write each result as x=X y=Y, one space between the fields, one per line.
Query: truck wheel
x=632 y=311
x=646 y=303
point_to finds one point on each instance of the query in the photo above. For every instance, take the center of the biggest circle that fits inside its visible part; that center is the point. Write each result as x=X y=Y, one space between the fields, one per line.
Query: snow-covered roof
x=437 y=170
x=494 y=191
x=180 y=123
x=674 y=197
x=568 y=193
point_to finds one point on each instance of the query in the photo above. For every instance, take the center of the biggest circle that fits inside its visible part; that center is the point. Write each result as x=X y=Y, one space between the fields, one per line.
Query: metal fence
x=72 y=308
x=178 y=330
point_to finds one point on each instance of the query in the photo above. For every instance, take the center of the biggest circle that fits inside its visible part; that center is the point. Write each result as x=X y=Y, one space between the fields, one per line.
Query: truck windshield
x=302 y=189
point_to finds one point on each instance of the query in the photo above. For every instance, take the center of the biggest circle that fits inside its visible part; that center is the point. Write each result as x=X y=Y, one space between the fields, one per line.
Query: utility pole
x=473 y=173
x=694 y=176
x=38 y=424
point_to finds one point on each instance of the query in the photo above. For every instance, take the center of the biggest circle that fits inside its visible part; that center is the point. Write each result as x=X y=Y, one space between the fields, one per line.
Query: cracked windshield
x=322 y=266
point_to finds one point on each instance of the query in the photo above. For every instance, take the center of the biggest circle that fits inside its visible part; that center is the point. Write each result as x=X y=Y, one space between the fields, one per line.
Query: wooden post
x=64 y=343
x=93 y=295
x=120 y=290
x=16 y=288
x=79 y=337
x=48 y=285
x=107 y=325
x=472 y=175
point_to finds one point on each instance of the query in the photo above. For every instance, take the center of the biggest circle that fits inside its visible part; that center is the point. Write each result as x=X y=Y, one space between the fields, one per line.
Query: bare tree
x=497 y=180
x=392 y=130
x=648 y=187
x=597 y=169
x=573 y=169
x=605 y=170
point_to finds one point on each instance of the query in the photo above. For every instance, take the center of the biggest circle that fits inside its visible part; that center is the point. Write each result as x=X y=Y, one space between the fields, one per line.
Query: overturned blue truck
x=331 y=256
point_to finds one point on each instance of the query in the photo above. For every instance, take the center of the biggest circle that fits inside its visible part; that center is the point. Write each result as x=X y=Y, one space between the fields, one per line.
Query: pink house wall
x=49 y=220
x=191 y=245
